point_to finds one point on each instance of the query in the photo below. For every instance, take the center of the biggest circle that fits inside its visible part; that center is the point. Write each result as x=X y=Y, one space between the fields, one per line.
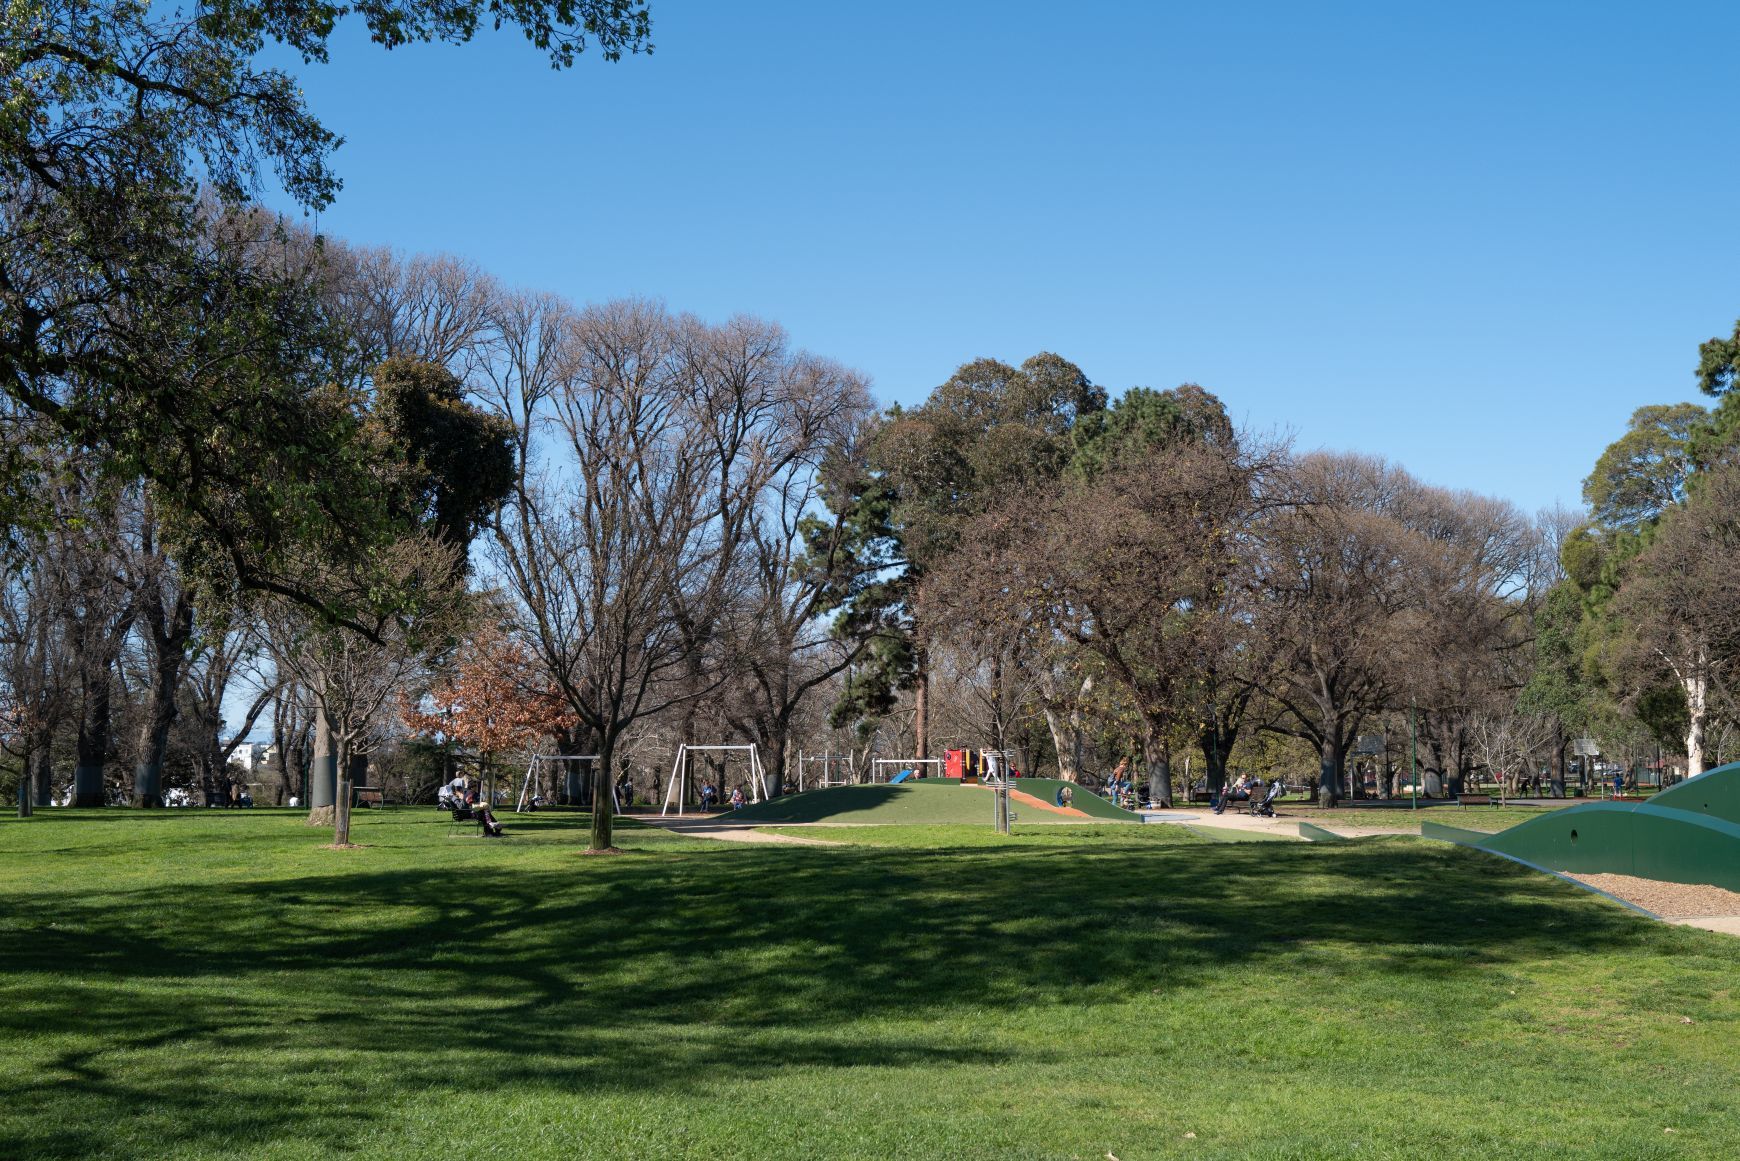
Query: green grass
x=920 y=836
x=1487 y=818
x=213 y=984
x=934 y=802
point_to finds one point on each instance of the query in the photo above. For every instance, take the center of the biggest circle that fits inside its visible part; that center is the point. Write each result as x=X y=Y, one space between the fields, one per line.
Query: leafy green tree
x=458 y=460
x=1644 y=472
x=135 y=323
x=1558 y=687
x=1142 y=420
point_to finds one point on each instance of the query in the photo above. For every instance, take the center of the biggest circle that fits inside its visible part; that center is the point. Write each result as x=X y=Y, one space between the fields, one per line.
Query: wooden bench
x=1474 y=800
x=370 y=796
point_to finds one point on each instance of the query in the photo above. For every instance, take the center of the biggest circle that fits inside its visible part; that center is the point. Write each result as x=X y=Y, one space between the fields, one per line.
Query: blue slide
x=900 y=777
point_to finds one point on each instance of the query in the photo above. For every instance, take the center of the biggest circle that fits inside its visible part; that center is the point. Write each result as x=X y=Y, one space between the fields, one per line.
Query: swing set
x=888 y=769
x=678 y=789
x=532 y=772
x=829 y=777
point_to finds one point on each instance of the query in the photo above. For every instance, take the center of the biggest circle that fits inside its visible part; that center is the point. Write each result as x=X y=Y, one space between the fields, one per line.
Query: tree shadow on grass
x=235 y=1015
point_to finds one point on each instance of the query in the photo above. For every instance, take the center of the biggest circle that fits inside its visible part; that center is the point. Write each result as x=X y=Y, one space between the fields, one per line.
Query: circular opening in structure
x=1573 y=836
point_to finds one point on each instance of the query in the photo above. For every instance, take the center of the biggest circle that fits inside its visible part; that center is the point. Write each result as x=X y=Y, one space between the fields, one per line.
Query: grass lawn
x=213 y=984
x=1487 y=818
x=1080 y=836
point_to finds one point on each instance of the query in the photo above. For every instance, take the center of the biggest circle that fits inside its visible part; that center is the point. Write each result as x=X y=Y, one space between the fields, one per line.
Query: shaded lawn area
x=203 y=984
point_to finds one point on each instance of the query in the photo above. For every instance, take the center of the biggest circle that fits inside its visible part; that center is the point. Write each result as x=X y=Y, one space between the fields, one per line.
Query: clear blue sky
x=1471 y=237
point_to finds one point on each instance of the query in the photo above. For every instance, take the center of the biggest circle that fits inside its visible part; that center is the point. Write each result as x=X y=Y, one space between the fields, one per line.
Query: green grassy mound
x=931 y=801
x=1085 y=801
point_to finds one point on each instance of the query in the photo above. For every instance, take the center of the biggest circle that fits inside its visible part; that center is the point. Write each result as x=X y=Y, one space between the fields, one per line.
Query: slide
x=1023 y=797
x=900 y=777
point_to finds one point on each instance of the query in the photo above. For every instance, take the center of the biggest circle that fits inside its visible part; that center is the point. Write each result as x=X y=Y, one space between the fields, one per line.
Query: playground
x=215 y=984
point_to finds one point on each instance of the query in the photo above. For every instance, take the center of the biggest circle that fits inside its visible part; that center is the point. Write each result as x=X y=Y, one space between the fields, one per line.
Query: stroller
x=1266 y=808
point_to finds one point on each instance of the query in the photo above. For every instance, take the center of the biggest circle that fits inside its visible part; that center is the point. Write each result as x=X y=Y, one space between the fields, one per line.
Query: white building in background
x=250 y=756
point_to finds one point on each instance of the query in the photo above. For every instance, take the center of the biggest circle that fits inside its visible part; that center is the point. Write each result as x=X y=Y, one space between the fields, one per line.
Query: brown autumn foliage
x=493 y=696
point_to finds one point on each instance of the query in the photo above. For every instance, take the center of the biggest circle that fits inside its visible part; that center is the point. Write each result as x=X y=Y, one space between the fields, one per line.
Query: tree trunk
x=777 y=741
x=45 y=774
x=921 y=709
x=341 y=797
x=1216 y=742
x=323 y=770
x=602 y=830
x=1158 y=759
x=93 y=747
x=1557 y=788
x=1066 y=739
x=1332 y=758
x=1697 y=686
x=25 y=807
x=167 y=632
x=154 y=733
x=281 y=763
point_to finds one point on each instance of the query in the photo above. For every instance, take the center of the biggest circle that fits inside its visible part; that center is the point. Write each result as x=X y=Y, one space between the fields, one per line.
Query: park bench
x=370 y=796
x=1474 y=800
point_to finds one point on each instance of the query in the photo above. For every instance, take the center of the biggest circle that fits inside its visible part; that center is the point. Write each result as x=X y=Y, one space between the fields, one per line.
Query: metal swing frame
x=877 y=765
x=532 y=770
x=679 y=784
x=827 y=761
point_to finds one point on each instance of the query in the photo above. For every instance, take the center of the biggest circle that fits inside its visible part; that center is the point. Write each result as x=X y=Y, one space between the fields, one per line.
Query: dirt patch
x=605 y=851
x=1669 y=900
x=342 y=846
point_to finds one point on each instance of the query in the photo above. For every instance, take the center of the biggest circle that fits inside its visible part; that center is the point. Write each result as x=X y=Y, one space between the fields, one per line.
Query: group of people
x=1119 y=788
x=710 y=797
x=1244 y=788
x=460 y=796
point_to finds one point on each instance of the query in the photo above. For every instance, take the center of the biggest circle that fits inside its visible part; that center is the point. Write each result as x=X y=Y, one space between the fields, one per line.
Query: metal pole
x=1413 y=763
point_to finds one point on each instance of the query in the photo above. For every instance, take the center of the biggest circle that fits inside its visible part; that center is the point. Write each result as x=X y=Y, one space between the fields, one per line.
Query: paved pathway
x=1285 y=826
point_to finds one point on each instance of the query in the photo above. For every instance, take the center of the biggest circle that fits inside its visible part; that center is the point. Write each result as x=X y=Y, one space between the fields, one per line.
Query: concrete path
x=1286 y=826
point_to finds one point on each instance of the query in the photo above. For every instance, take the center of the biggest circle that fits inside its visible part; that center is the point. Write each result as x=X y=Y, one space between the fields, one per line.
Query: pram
x=1266 y=808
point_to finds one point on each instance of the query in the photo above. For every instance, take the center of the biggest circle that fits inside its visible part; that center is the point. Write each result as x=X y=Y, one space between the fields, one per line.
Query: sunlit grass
x=212 y=984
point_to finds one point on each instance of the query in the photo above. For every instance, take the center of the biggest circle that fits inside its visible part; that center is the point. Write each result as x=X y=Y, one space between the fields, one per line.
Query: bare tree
x=1126 y=568
x=800 y=562
x=350 y=676
x=87 y=550
x=625 y=554
x=34 y=675
x=229 y=659
x=1338 y=576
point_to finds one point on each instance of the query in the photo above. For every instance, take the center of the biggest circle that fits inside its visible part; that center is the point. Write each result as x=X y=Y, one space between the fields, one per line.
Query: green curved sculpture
x=1687 y=834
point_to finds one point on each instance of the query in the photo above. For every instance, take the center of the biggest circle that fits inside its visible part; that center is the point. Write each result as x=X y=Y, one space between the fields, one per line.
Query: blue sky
x=1471 y=238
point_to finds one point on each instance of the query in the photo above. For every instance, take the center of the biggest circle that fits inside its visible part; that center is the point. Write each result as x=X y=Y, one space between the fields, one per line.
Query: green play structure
x=1689 y=833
